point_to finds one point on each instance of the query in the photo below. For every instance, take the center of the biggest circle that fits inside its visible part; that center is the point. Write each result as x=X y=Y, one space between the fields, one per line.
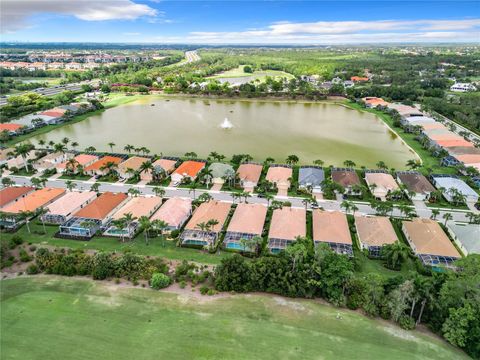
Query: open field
x=58 y=318
x=258 y=75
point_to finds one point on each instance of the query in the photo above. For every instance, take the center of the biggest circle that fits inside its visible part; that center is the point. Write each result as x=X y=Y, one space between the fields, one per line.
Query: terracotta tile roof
x=82 y=159
x=428 y=238
x=174 y=211
x=9 y=127
x=100 y=163
x=55 y=114
x=102 y=206
x=279 y=174
x=248 y=218
x=133 y=162
x=165 y=164
x=345 y=178
x=34 y=200
x=9 y=194
x=190 y=168
x=375 y=230
x=288 y=223
x=431 y=126
x=468 y=158
x=381 y=180
x=358 y=78
x=416 y=182
x=139 y=206
x=215 y=210
x=330 y=226
x=447 y=143
x=250 y=172
x=374 y=101
x=70 y=202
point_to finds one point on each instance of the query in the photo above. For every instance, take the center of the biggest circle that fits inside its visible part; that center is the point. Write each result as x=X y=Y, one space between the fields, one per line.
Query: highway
x=363 y=208
x=191 y=56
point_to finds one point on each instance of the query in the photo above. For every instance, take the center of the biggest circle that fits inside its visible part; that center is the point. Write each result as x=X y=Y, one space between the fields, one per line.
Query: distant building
x=462 y=87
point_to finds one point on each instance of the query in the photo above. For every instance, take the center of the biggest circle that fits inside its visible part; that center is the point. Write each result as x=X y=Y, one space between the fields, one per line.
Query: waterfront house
x=281 y=176
x=331 y=228
x=311 y=178
x=129 y=167
x=88 y=220
x=6 y=154
x=83 y=160
x=347 y=178
x=373 y=102
x=450 y=184
x=415 y=183
x=19 y=163
x=175 y=212
x=11 y=129
x=380 y=184
x=13 y=193
x=51 y=161
x=187 y=170
x=286 y=225
x=374 y=232
x=429 y=243
x=221 y=172
x=249 y=174
x=165 y=166
x=466 y=236
x=137 y=207
x=63 y=208
x=462 y=87
x=98 y=167
x=197 y=231
x=246 y=223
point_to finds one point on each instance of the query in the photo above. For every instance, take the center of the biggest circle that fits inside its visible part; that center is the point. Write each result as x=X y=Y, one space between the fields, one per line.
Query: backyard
x=86 y=319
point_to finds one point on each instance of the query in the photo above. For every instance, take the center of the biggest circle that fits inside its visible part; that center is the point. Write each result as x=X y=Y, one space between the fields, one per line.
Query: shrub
x=183 y=284
x=32 y=248
x=211 y=292
x=15 y=240
x=204 y=290
x=159 y=281
x=32 y=269
x=24 y=257
x=174 y=234
x=406 y=322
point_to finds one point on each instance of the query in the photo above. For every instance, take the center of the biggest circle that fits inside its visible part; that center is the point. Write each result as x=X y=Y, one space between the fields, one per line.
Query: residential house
x=11 y=129
x=165 y=166
x=51 y=161
x=90 y=219
x=99 y=166
x=286 y=225
x=5 y=155
x=462 y=87
x=347 y=178
x=450 y=184
x=416 y=184
x=373 y=102
x=357 y=79
x=19 y=163
x=331 y=228
x=246 y=223
x=466 y=236
x=221 y=172
x=13 y=193
x=175 y=212
x=195 y=233
x=374 y=232
x=311 y=178
x=187 y=170
x=129 y=167
x=429 y=243
x=249 y=175
x=83 y=160
x=63 y=208
x=281 y=176
x=381 y=184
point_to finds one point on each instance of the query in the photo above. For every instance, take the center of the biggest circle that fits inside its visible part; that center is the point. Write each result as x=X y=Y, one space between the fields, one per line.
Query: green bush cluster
x=160 y=281
x=186 y=271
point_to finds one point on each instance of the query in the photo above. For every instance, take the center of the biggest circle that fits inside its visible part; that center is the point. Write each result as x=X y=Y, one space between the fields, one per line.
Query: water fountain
x=226 y=124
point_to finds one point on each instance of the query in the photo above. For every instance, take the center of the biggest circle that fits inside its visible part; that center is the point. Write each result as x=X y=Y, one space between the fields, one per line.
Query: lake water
x=329 y=132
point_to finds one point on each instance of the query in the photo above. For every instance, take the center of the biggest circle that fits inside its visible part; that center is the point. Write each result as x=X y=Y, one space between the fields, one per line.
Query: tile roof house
x=429 y=242
x=87 y=221
x=279 y=175
x=134 y=163
x=249 y=175
x=372 y=102
x=63 y=208
x=175 y=212
x=18 y=162
x=415 y=183
x=97 y=167
x=286 y=225
x=6 y=154
x=83 y=160
x=311 y=177
x=220 y=171
x=331 y=228
x=347 y=178
x=466 y=236
x=137 y=207
x=193 y=234
x=247 y=222
x=380 y=184
x=405 y=110
x=452 y=142
x=12 y=129
x=34 y=200
x=188 y=169
x=373 y=232
x=13 y=193
x=450 y=182
x=160 y=165
x=50 y=161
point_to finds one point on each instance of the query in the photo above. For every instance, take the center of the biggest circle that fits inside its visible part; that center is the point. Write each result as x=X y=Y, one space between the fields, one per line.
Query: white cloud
x=131 y=33
x=338 y=32
x=15 y=13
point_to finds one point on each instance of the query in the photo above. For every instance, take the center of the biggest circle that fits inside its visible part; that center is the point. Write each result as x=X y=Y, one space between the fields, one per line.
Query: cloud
x=15 y=13
x=338 y=32
x=131 y=33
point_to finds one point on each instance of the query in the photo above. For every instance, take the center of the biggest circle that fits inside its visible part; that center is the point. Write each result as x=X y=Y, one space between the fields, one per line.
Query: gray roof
x=220 y=169
x=71 y=108
x=27 y=119
x=310 y=176
x=451 y=182
x=468 y=235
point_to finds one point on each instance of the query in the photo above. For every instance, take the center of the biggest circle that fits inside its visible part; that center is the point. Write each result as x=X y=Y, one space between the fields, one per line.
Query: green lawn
x=260 y=75
x=138 y=245
x=47 y=317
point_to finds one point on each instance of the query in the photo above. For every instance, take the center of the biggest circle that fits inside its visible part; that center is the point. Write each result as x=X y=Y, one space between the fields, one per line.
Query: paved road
x=363 y=208
x=191 y=56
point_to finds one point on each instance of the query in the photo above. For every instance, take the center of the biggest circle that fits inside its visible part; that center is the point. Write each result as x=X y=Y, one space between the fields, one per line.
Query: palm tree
x=305 y=202
x=158 y=191
x=471 y=217
x=160 y=225
x=269 y=198
x=435 y=213
x=191 y=155
x=347 y=205
x=65 y=141
x=111 y=145
x=413 y=164
x=71 y=165
x=292 y=159
x=128 y=219
x=90 y=149
x=110 y=167
x=382 y=165
x=26 y=215
x=95 y=187
x=354 y=208
x=120 y=225
x=245 y=195
x=128 y=148
x=42 y=211
x=6 y=182
x=41 y=142
x=349 y=163
x=60 y=147
x=74 y=145
x=145 y=167
x=395 y=254
x=193 y=188
x=145 y=226
x=22 y=150
x=319 y=162
x=134 y=192
x=70 y=185
x=447 y=217
x=37 y=182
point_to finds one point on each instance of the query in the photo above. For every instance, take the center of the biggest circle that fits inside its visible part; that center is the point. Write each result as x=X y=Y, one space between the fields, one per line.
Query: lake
x=330 y=132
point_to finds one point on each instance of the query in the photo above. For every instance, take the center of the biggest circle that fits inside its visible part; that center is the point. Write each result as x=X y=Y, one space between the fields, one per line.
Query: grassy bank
x=58 y=318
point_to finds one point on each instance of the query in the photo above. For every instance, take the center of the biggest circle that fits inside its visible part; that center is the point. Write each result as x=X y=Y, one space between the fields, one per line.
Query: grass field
x=259 y=75
x=58 y=318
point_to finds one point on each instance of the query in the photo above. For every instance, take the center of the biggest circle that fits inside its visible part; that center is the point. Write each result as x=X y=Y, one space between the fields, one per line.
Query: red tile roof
x=103 y=161
x=190 y=168
x=9 y=194
x=102 y=206
x=10 y=127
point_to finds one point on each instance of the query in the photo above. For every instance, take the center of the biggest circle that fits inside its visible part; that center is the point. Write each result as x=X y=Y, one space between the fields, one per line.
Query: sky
x=240 y=22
